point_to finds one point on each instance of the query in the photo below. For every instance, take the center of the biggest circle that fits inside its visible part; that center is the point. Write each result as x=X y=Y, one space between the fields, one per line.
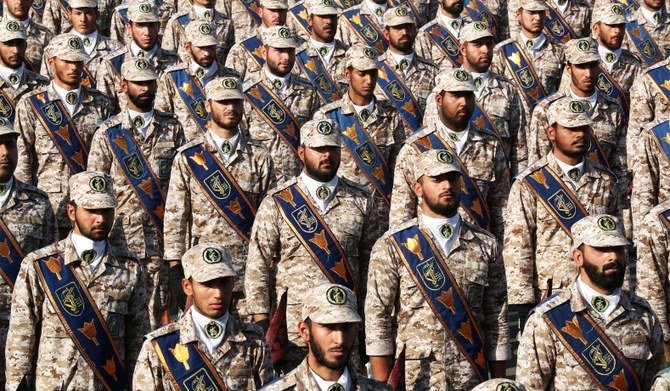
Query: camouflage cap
x=138 y=69
x=11 y=29
x=598 y=231
x=92 y=190
x=143 y=12
x=84 y=4
x=610 y=13
x=68 y=47
x=398 y=16
x=581 y=51
x=7 y=128
x=533 y=5
x=330 y=304
x=200 y=33
x=320 y=133
x=274 y=4
x=433 y=163
x=500 y=385
x=279 y=37
x=224 y=88
x=454 y=80
x=568 y=113
x=473 y=31
x=361 y=57
x=208 y=261
x=322 y=7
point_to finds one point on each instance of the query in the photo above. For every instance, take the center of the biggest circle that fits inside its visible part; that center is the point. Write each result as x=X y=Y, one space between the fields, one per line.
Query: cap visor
x=74 y=57
x=205 y=42
x=332 y=317
x=204 y=275
x=217 y=97
x=96 y=202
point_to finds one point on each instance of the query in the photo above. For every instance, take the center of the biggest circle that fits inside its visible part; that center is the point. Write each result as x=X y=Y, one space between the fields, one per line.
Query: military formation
x=334 y=195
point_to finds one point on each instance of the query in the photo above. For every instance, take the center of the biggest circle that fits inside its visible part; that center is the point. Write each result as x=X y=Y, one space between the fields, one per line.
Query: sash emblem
x=648 y=49
x=218 y=185
x=432 y=277
x=450 y=46
x=200 y=381
x=562 y=204
x=599 y=357
x=6 y=110
x=198 y=107
x=274 y=112
x=323 y=84
x=71 y=299
x=557 y=27
x=369 y=32
x=305 y=219
x=525 y=77
x=367 y=154
x=53 y=113
x=604 y=85
x=395 y=91
x=134 y=165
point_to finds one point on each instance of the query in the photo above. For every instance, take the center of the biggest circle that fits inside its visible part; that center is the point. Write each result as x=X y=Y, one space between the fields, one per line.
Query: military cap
x=279 y=37
x=500 y=385
x=568 y=113
x=92 y=190
x=200 y=33
x=207 y=261
x=473 y=31
x=533 y=5
x=68 y=47
x=84 y=4
x=11 y=29
x=143 y=12
x=321 y=7
x=433 y=163
x=7 y=128
x=610 y=13
x=224 y=88
x=454 y=80
x=581 y=51
x=274 y=4
x=398 y=16
x=138 y=69
x=598 y=231
x=329 y=304
x=361 y=57
x=320 y=133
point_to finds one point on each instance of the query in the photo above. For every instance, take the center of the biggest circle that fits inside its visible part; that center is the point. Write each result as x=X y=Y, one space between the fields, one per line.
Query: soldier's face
x=531 y=21
x=94 y=224
x=279 y=61
x=439 y=195
x=324 y=27
x=610 y=35
x=145 y=34
x=453 y=7
x=478 y=54
x=362 y=83
x=210 y=298
x=401 y=37
x=226 y=113
x=330 y=345
x=456 y=108
x=19 y=9
x=83 y=20
x=604 y=267
x=203 y=56
x=12 y=53
x=140 y=93
x=583 y=76
x=273 y=17
x=9 y=155
x=67 y=72
x=571 y=142
x=321 y=163
x=655 y=4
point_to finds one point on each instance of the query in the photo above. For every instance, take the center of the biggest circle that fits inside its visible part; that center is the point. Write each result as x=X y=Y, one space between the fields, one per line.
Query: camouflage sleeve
x=106 y=84
x=422 y=45
x=655 y=363
x=538 y=143
x=646 y=179
x=165 y=94
x=662 y=383
x=137 y=320
x=497 y=195
x=228 y=43
x=497 y=65
x=101 y=155
x=536 y=357
x=148 y=373
x=117 y=30
x=344 y=32
x=403 y=199
x=170 y=40
x=51 y=15
x=518 y=127
x=267 y=175
x=399 y=137
x=237 y=59
x=49 y=226
x=641 y=113
x=25 y=125
x=365 y=244
x=263 y=372
x=177 y=230
x=495 y=309
x=619 y=162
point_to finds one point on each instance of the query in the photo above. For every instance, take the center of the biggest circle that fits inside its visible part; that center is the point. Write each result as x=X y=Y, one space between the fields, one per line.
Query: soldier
x=328 y=326
x=372 y=131
x=27 y=223
x=369 y=30
x=56 y=15
x=481 y=157
x=38 y=35
x=57 y=122
x=546 y=199
x=143 y=24
x=181 y=87
x=118 y=29
x=15 y=79
x=459 y=258
x=329 y=240
x=565 y=19
x=438 y=39
x=279 y=102
x=592 y=335
x=246 y=16
x=36 y=9
x=206 y=348
x=648 y=32
x=79 y=306
x=222 y=210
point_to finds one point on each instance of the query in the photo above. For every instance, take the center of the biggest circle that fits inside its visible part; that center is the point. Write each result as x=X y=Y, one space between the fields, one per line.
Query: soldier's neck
x=471 y=68
x=225 y=133
x=65 y=86
x=315 y=37
x=587 y=281
x=16 y=17
x=581 y=93
x=359 y=100
x=529 y=34
x=649 y=8
x=401 y=52
x=449 y=14
x=323 y=372
x=569 y=160
x=426 y=211
x=450 y=124
x=2 y=64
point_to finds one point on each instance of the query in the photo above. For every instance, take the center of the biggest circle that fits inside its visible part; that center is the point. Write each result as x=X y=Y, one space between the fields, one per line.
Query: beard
x=448 y=208
x=600 y=279
x=321 y=175
x=320 y=356
x=144 y=102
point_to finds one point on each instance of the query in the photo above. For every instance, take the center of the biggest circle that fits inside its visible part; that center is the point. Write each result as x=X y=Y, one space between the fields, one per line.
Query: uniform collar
x=651 y=17
x=234 y=143
x=345 y=380
x=537 y=42
x=92 y=38
x=453 y=25
x=274 y=79
x=328 y=49
x=484 y=81
x=313 y=187
x=399 y=57
x=135 y=50
x=82 y=243
x=369 y=107
x=374 y=7
x=200 y=321
x=561 y=7
x=208 y=74
x=591 y=99
x=25 y=22
x=63 y=93
x=458 y=138
x=4 y=196
x=143 y=120
x=597 y=300
x=204 y=12
x=5 y=72
x=566 y=168
x=445 y=230
x=606 y=54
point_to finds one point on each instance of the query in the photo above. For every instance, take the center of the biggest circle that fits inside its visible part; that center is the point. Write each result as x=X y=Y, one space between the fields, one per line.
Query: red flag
x=397 y=377
x=277 y=334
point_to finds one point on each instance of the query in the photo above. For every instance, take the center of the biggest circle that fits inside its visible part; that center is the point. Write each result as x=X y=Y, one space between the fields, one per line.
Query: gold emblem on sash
x=120 y=141
x=666 y=84
x=433 y=278
x=366 y=153
x=287 y=196
x=187 y=88
x=340 y=270
x=64 y=134
x=572 y=328
x=562 y=204
x=235 y=207
x=413 y=245
x=180 y=352
x=599 y=357
x=396 y=91
x=199 y=109
x=4 y=251
x=134 y=165
x=450 y=46
x=525 y=77
x=604 y=85
x=90 y=332
x=319 y=239
x=370 y=33
x=447 y=300
x=274 y=112
x=53 y=113
x=466 y=331
x=305 y=219
x=648 y=49
x=218 y=185
x=351 y=133
x=71 y=299
x=323 y=84
x=5 y=108
x=540 y=178
x=54 y=266
x=199 y=159
x=557 y=27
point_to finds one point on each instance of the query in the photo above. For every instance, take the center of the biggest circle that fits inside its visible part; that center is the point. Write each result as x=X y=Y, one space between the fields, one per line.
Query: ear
x=187 y=47
x=551 y=133
x=301 y=154
x=461 y=47
x=309 y=20
x=596 y=29
x=303 y=330
x=187 y=287
x=264 y=52
x=517 y=13
x=124 y=85
x=438 y=100
x=208 y=106
x=578 y=257
x=416 y=186
x=347 y=74
x=386 y=34
x=71 y=212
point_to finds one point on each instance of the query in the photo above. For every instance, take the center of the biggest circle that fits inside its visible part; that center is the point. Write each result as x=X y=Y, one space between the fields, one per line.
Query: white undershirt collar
x=6 y=72
x=313 y=185
x=344 y=380
x=92 y=38
x=444 y=230
x=135 y=50
x=62 y=95
x=458 y=138
x=200 y=321
x=592 y=298
x=82 y=243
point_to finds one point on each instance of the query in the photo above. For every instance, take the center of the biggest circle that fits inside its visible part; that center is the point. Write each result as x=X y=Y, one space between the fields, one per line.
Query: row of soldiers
x=291 y=146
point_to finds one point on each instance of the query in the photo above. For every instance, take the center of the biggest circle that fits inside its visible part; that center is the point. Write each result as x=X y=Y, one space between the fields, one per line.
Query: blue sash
x=65 y=4
x=346 y=4
x=592 y=348
x=251 y=6
x=557 y=27
x=609 y=86
x=523 y=73
x=123 y=14
x=37 y=6
x=365 y=29
x=318 y=76
x=193 y=96
x=447 y=43
x=478 y=11
x=630 y=6
x=595 y=152
x=116 y=63
x=81 y=319
x=662 y=134
x=138 y=172
x=408 y=4
x=253 y=46
x=275 y=113
x=556 y=197
x=63 y=132
x=645 y=45
x=315 y=235
x=442 y=293
x=365 y=152
x=300 y=14
x=11 y=255
x=87 y=79
x=660 y=77
x=221 y=189
x=472 y=201
x=665 y=218
x=400 y=96
x=7 y=108
x=187 y=366
x=482 y=120
x=184 y=19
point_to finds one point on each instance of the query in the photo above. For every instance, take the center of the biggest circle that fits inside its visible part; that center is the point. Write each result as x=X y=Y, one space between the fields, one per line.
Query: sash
x=253 y=46
x=365 y=29
x=300 y=14
x=221 y=189
x=446 y=42
x=482 y=119
x=309 y=227
x=523 y=73
x=592 y=348
x=251 y=6
x=65 y=5
x=82 y=319
x=660 y=77
x=472 y=200
x=123 y=14
x=556 y=197
x=87 y=79
x=557 y=27
x=62 y=131
x=184 y=19
x=116 y=63
x=187 y=366
x=318 y=76
x=441 y=291
x=345 y=4
x=645 y=45
x=665 y=218
x=478 y=11
x=38 y=8
x=400 y=95
x=7 y=107
x=191 y=93
x=630 y=6
x=662 y=134
x=408 y=4
x=610 y=87
x=275 y=113
x=138 y=172
x=11 y=255
x=365 y=152
x=595 y=152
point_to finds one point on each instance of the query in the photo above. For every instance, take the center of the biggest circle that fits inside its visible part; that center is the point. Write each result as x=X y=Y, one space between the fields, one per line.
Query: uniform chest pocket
x=476 y=277
x=116 y=316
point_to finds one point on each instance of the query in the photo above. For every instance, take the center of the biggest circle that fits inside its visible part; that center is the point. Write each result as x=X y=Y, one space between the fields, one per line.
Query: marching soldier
x=438 y=40
x=546 y=199
x=329 y=240
x=15 y=79
x=118 y=30
x=648 y=32
x=369 y=30
x=27 y=223
x=38 y=35
x=57 y=122
x=448 y=277
x=221 y=210
x=328 y=325
x=206 y=348
x=56 y=16
x=565 y=19
x=79 y=306
x=279 y=102
x=181 y=87
x=245 y=15
x=593 y=334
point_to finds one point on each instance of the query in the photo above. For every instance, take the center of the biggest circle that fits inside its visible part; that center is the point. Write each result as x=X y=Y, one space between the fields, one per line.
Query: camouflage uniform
x=577 y=15
x=660 y=33
x=222 y=28
x=39 y=37
x=335 y=66
x=56 y=19
x=29 y=82
x=241 y=60
x=661 y=381
x=121 y=34
x=427 y=48
x=500 y=385
x=243 y=23
x=346 y=34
